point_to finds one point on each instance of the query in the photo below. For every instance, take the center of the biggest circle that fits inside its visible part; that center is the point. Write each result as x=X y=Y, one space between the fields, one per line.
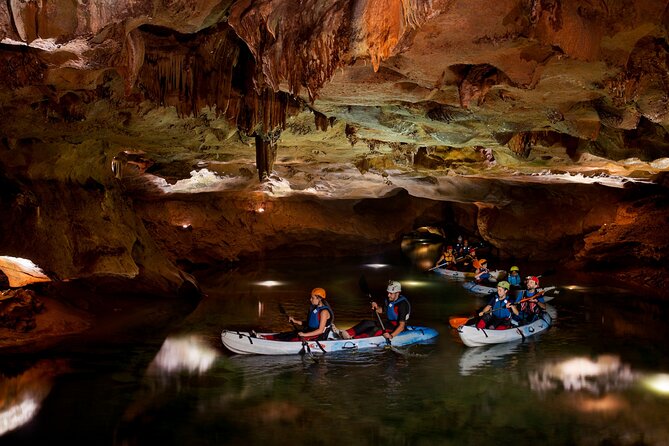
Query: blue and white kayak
x=246 y=344
x=475 y=337
x=486 y=289
x=479 y=288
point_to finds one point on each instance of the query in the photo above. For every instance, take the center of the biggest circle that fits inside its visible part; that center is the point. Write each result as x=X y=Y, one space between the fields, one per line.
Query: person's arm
x=514 y=310
x=321 y=326
x=399 y=329
x=485 y=310
x=292 y=320
x=377 y=308
x=402 y=315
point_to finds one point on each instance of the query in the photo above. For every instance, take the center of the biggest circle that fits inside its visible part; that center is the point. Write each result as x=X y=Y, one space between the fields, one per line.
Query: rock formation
x=141 y=136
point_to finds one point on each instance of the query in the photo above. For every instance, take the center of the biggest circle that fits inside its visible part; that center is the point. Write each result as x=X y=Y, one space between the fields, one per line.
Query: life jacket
x=314 y=318
x=482 y=274
x=499 y=308
x=530 y=307
x=513 y=280
x=449 y=257
x=392 y=311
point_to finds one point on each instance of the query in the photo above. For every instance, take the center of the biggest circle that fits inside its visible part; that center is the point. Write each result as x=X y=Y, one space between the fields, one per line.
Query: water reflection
x=187 y=353
x=478 y=358
x=376 y=265
x=601 y=375
x=658 y=383
x=21 y=396
x=422 y=253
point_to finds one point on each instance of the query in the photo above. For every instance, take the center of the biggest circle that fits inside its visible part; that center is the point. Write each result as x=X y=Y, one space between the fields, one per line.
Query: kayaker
x=482 y=272
x=469 y=259
x=514 y=277
x=531 y=309
x=398 y=310
x=317 y=325
x=458 y=247
x=465 y=248
x=497 y=314
x=447 y=258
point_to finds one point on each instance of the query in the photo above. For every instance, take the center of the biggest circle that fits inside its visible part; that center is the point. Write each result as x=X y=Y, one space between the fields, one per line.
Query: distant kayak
x=474 y=337
x=490 y=289
x=462 y=274
x=245 y=343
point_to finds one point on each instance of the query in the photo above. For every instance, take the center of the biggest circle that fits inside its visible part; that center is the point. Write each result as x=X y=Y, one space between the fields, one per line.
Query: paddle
x=283 y=311
x=305 y=344
x=365 y=290
x=444 y=263
x=455 y=321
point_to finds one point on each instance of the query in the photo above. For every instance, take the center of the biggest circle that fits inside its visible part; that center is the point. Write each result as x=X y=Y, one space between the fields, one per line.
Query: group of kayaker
x=320 y=319
x=504 y=311
x=460 y=256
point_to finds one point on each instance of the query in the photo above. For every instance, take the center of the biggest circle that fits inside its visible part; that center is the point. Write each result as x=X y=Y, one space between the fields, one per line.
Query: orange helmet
x=320 y=292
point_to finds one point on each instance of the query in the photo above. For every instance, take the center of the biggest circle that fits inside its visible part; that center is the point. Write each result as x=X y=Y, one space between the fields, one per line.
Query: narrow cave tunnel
x=176 y=177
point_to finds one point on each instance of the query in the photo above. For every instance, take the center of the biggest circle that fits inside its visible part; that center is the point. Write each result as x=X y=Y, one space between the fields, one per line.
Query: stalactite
x=24 y=14
x=302 y=52
x=265 y=154
x=210 y=71
x=134 y=58
x=388 y=23
x=521 y=143
x=477 y=82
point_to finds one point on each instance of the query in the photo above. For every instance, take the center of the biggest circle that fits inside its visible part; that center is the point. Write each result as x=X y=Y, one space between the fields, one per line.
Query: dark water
x=599 y=376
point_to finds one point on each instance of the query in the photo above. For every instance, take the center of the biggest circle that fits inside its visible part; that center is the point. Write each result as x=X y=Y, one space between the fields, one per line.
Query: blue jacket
x=314 y=317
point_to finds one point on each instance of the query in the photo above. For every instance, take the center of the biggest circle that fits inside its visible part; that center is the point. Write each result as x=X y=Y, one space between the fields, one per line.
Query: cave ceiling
x=340 y=97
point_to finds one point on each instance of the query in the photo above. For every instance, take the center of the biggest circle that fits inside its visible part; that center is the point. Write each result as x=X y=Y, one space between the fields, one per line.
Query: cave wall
x=64 y=211
x=228 y=226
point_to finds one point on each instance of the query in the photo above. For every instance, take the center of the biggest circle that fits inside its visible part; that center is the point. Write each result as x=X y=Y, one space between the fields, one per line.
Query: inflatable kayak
x=245 y=343
x=490 y=289
x=487 y=288
x=462 y=274
x=475 y=337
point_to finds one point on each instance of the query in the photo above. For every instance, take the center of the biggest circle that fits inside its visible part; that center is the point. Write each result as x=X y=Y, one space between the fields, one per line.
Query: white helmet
x=394 y=286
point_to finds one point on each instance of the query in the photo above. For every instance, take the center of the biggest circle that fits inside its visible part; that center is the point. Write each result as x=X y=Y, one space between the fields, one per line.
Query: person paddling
x=317 y=325
x=447 y=258
x=514 y=277
x=497 y=314
x=482 y=271
x=532 y=308
x=398 y=310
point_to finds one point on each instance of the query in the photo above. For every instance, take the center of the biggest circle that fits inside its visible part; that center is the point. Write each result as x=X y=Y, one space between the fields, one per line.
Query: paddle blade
x=282 y=310
x=457 y=321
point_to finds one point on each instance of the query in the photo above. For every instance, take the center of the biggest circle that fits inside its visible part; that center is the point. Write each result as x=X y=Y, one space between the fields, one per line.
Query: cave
x=142 y=143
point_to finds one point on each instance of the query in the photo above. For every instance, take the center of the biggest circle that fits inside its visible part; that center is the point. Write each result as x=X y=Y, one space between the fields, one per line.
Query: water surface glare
x=598 y=376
